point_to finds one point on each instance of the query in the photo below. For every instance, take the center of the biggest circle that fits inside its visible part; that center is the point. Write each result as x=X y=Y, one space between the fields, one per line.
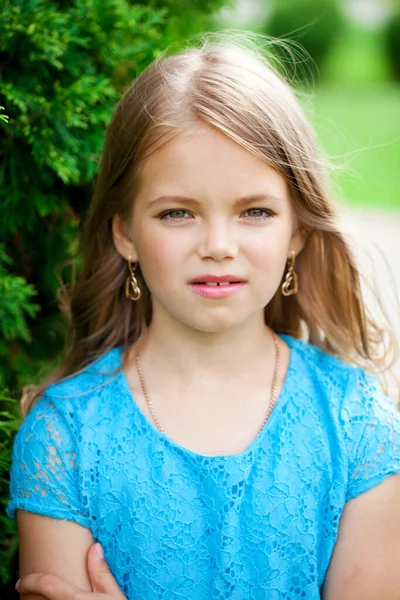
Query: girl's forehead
x=206 y=156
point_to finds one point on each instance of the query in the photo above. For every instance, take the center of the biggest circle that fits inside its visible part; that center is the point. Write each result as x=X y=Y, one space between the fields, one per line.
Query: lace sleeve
x=372 y=426
x=44 y=474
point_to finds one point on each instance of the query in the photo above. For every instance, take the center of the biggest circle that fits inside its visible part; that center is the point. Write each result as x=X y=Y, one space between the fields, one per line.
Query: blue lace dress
x=178 y=525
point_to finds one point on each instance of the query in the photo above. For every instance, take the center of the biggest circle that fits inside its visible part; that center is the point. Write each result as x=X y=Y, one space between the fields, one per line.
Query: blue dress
x=178 y=525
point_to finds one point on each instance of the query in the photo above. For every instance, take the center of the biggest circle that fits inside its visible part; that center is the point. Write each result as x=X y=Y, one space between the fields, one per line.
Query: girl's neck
x=189 y=354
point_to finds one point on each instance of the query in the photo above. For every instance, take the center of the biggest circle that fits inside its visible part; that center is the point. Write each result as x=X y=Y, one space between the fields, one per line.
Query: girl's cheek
x=160 y=257
x=152 y=245
x=268 y=253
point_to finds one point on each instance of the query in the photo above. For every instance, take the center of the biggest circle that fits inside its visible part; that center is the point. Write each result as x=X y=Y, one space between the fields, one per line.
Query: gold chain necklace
x=272 y=397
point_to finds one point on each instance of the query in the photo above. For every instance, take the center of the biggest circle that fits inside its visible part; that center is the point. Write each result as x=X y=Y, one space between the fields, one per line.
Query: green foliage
x=187 y=17
x=392 y=40
x=60 y=106
x=15 y=306
x=15 y=296
x=314 y=24
x=9 y=423
x=3 y=118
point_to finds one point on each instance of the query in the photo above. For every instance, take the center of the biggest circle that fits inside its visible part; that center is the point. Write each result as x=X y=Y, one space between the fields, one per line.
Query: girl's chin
x=210 y=318
x=220 y=325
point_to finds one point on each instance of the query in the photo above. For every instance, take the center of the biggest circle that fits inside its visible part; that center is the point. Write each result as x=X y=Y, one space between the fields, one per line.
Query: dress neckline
x=280 y=402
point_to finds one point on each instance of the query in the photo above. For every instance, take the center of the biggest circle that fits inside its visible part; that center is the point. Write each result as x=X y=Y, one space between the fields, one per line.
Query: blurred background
x=353 y=80
x=63 y=66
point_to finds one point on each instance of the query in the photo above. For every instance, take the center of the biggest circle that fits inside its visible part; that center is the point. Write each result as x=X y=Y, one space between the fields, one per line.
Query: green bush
x=392 y=42
x=16 y=306
x=9 y=423
x=63 y=66
x=314 y=24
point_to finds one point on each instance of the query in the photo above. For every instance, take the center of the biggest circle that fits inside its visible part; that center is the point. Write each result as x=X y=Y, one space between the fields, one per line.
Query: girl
x=211 y=425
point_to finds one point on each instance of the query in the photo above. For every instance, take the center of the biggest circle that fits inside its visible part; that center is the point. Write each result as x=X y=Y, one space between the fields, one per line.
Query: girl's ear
x=122 y=240
x=298 y=241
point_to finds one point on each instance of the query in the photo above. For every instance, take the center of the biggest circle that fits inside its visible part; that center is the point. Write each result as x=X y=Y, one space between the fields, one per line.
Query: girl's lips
x=217 y=278
x=217 y=291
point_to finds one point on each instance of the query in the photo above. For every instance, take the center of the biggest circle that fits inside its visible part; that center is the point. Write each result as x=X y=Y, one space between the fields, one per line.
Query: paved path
x=376 y=239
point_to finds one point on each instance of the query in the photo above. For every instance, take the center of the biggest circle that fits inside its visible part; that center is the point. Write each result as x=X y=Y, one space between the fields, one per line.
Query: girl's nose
x=217 y=242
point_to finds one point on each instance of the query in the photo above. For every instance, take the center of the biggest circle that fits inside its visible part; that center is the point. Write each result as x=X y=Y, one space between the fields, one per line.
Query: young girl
x=211 y=425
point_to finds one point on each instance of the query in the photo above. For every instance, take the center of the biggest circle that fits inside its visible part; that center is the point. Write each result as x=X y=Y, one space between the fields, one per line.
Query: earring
x=132 y=290
x=291 y=284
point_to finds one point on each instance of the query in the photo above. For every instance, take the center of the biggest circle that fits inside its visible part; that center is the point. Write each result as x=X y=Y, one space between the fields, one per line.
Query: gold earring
x=132 y=290
x=291 y=284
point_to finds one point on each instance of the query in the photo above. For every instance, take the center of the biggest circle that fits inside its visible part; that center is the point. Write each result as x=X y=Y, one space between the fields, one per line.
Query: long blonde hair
x=230 y=85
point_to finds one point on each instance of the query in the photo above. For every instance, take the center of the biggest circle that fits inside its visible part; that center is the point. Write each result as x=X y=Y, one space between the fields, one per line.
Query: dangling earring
x=291 y=284
x=132 y=290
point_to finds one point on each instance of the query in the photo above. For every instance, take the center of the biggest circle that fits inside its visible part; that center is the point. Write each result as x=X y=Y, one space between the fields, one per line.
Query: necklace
x=272 y=396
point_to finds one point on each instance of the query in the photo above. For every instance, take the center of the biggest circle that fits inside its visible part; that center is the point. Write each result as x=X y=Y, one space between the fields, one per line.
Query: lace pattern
x=175 y=524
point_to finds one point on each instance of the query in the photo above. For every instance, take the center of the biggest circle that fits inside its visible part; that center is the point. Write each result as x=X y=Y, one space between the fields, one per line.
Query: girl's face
x=208 y=207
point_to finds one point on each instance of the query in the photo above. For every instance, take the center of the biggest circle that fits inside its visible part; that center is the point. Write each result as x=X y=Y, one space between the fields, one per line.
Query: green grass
x=358 y=125
x=356 y=112
x=359 y=55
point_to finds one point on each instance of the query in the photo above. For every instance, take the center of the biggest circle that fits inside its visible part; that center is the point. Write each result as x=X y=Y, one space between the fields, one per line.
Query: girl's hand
x=104 y=586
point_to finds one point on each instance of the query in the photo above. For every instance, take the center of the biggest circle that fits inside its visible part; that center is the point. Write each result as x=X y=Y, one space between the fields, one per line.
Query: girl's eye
x=259 y=213
x=179 y=214
x=173 y=215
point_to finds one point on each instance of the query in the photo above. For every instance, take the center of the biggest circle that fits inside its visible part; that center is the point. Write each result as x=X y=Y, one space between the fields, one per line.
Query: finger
x=101 y=578
x=50 y=586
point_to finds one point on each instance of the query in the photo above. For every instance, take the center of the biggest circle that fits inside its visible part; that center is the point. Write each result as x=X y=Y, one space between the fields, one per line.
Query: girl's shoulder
x=331 y=380
x=100 y=372
x=92 y=387
x=68 y=420
x=314 y=361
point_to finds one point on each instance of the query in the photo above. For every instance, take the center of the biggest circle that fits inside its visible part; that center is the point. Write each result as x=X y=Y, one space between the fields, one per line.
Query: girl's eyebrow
x=237 y=203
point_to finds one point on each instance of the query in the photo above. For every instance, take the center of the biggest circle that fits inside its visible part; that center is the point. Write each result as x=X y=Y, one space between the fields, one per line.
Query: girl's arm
x=53 y=546
x=366 y=560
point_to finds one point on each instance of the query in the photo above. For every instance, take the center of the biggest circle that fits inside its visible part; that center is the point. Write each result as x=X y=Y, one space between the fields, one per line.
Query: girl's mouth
x=217 y=282
x=217 y=289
